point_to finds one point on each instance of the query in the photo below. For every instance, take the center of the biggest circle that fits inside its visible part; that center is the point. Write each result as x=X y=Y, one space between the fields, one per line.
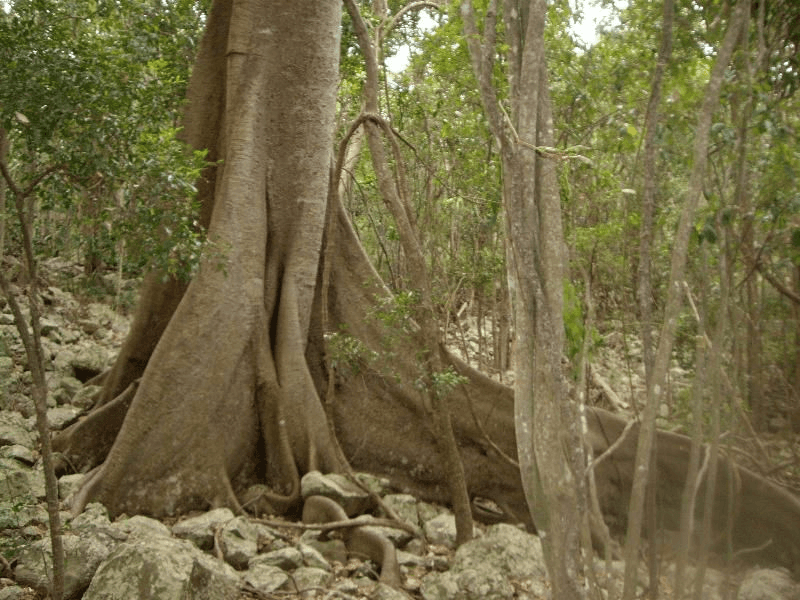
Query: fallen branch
x=359 y=521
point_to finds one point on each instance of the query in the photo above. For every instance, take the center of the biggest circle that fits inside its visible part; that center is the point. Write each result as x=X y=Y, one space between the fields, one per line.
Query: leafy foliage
x=91 y=93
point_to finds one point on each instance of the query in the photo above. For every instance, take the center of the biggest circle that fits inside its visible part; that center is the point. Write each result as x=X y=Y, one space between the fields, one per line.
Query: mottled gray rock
x=239 y=542
x=200 y=529
x=308 y=578
x=265 y=578
x=484 y=584
x=484 y=567
x=14 y=429
x=439 y=586
x=18 y=515
x=441 y=530
x=387 y=592
x=69 y=484
x=313 y=557
x=19 y=482
x=93 y=516
x=67 y=387
x=18 y=452
x=143 y=527
x=49 y=328
x=62 y=416
x=83 y=554
x=507 y=548
x=377 y=485
x=428 y=511
x=16 y=592
x=163 y=568
x=768 y=584
x=285 y=558
x=80 y=359
x=84 y=398
x=350 y=497
x=404 y=506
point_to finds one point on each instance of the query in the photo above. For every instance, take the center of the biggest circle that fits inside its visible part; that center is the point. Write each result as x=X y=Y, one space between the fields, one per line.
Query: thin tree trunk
x=395 y=195
x=645 y=247
x=715 y=372
x=656 y=387
x=688 y=497
x=546 y=422
x=32 y=341
x=3 y=155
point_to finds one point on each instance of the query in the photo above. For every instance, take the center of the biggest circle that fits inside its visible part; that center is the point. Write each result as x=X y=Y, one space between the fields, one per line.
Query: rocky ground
x=218 y=555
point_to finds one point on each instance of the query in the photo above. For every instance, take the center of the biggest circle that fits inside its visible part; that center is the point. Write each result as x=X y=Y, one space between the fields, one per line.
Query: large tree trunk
x=231 y=371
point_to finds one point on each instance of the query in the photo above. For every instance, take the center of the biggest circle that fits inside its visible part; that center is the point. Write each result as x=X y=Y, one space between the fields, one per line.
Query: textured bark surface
x=222 y=384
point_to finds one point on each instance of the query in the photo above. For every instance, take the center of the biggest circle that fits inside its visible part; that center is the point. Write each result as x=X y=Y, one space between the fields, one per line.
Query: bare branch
x=390 y=23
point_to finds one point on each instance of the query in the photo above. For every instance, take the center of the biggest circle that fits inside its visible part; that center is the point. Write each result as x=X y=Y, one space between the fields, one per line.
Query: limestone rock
x=82 y=556
x=768 y=584
x=69 y=484
x=18 y=452
x=405 y=506
x=288 y=558
x=16 y=592
x=265 y=578
x=350 y=497
x=67 y=387
x=200 y=529
x=163 y=568
x=484 y=567
x=15 y=430
x=19 y=515
x=313 y=557
x=333 y=550
x=62 y=416
x=143 y=527
x=239 y=542
x=309 y=578
x=84 y=397
x=441 y=530
x=19 y=482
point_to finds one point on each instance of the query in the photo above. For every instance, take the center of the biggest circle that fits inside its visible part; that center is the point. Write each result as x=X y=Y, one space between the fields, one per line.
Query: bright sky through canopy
x=586 y=30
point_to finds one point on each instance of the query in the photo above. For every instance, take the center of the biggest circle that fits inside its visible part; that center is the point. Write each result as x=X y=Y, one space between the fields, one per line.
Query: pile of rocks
x=219 y=555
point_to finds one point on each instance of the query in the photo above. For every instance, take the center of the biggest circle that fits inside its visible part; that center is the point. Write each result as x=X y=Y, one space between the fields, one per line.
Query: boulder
x=337 y=487
x=768 y=584
x=201 y=529
x=14 y=429
x=484 y=568
x=83 y=554
x=62 y=416
x=265 y=579
x=441 y=530
x=20 y=453
x=288 y=558
x=19 y=482
x=239 y=541
x=143 y=527
x=164 y=568
x=84 y=398
x=69 y=484
x=308 y=578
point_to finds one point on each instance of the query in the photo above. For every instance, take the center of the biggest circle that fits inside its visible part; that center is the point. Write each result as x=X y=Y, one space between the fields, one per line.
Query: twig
x=617 y=443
